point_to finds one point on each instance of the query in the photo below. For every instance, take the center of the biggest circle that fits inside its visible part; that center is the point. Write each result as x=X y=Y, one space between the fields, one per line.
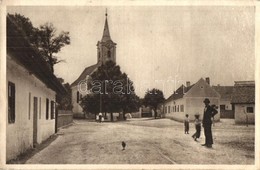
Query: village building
x=243 y=99
x=225 y=106
x=189 y=100
x=31 y=94
x=106 y=51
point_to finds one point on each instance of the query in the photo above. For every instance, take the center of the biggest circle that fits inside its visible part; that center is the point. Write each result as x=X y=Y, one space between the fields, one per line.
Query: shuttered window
x=11 y=102
x=47 y=109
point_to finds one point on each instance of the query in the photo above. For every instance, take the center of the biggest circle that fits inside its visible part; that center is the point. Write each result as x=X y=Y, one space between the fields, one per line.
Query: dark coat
x=209 y=112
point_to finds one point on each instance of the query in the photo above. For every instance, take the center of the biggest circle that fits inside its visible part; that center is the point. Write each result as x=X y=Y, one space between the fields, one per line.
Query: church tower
x=106 y=48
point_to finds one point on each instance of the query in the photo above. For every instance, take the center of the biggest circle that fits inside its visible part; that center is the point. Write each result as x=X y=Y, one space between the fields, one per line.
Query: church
x=106 y=51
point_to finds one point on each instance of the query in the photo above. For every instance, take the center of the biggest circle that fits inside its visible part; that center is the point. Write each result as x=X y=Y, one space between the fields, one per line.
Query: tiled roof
x=179 y=92
x=224 y=91
x=87 y=71
x=243 y=94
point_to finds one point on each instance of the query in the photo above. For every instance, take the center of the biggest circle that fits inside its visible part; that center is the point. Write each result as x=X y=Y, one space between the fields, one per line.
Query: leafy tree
x=49 y=44
x=43 y=38
x=25 y=25
x=115 y=92
x=65 y=100
x=153 y=98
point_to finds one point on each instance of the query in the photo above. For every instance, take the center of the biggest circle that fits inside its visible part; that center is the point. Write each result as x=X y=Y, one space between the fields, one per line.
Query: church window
x=109 y=54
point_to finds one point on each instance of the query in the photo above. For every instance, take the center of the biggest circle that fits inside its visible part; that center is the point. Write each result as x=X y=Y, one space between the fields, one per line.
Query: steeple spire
x=106 y=34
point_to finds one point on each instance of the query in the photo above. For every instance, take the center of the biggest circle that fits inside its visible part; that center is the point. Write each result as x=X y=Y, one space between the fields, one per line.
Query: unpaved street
x=149 y=141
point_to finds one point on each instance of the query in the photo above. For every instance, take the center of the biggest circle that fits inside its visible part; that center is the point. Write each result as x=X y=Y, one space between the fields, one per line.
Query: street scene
x=130 y=85
x=148 y=141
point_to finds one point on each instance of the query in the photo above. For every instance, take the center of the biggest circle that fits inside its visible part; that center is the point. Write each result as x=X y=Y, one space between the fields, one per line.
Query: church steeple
x=106 y=48
x=106 y=34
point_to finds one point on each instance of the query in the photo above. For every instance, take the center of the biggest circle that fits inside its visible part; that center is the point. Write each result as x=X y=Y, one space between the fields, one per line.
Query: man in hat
x=209 y=112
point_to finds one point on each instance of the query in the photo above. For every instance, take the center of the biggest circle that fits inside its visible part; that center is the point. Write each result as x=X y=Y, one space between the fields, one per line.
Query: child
x=186 y=124
x=197 y=126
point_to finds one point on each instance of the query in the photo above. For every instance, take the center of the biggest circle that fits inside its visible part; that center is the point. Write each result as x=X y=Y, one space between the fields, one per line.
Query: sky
x=157 y=46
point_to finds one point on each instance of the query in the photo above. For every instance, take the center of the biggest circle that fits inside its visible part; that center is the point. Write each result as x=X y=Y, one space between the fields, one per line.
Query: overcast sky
x=157 y=45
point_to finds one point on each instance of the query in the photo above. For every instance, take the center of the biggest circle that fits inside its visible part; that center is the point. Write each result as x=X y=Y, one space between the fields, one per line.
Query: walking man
x=209 y=113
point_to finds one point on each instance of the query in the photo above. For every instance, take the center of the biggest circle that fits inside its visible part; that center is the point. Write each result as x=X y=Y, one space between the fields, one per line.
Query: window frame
x=47 y=109
x=11 y=102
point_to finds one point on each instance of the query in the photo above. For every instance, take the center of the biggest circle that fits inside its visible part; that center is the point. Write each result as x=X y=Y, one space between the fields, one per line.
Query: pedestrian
x=100 y=117
x=97 y=118
x=209 y=113
x=186 y=124
x=197 y=123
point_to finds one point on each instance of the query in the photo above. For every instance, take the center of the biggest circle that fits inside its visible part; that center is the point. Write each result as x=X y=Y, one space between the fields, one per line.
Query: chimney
x=187 y=83
x=208 y=80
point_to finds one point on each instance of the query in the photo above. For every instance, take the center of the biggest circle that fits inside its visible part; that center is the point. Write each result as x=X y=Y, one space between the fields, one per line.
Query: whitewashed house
x=243 y=99
x=189 y=100
x=31 y=94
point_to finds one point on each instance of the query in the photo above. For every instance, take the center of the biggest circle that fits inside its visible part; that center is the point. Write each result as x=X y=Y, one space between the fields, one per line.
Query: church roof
x=106 y=34
x=88 y=71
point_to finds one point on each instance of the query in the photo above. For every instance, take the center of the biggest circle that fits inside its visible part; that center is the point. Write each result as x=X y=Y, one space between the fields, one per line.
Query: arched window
x=109 y=54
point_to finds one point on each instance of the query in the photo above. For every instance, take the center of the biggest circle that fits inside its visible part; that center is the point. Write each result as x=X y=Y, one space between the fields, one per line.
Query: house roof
x=199 y=89
x=83 y=75
x=20 y=49
x=179 y=92
x=243 y=94
x=224 y=91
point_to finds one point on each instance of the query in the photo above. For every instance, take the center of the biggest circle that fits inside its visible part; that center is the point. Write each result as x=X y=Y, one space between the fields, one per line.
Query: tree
x=44 y=38
x=153 y=98
x=65 y=100
x=114 y=92
x=49 y=43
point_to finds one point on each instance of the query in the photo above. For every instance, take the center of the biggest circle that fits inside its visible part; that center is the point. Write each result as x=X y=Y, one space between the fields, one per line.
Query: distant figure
x=186 y=124
x=123 y=145
x=209 y=113
x=97 y=118
x=100 y=117
x=197 y=123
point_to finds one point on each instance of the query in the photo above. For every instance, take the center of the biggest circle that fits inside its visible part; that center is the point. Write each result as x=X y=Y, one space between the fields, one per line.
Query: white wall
x=240 y=115
x=76 y=107
x=177 y=115
x=20 y=134
x=196 y=105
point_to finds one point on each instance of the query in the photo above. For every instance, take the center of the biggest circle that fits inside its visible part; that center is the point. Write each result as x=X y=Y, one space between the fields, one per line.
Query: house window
x=52 y=109
x=182 y=108
x=165 y=109
x=178 y=109
x=47 y=109
x=169 y=109
x=77 y=96
x=173 y=109
x=29 y=107
x=249 y=109
x=11 y=102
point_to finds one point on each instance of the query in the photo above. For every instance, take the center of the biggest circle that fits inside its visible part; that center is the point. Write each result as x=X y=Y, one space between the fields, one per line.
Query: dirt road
x=160 y=141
